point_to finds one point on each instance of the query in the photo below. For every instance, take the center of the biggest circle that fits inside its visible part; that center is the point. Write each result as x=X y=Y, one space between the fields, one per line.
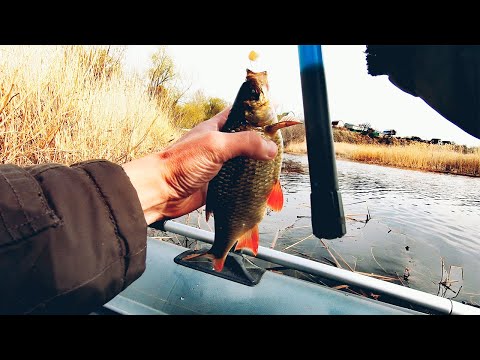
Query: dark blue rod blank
x=328 y=220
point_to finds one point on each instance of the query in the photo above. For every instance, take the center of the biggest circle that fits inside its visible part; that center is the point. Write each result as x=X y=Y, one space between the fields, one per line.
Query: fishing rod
x=328 y=220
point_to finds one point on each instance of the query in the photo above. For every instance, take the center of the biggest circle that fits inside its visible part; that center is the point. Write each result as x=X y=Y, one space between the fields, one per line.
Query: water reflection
x=292 y=166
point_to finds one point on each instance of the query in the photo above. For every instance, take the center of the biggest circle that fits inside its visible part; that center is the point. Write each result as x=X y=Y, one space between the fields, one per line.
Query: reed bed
x=452 y=159
x=296 y=148
x=421 y=156
x=67 y=104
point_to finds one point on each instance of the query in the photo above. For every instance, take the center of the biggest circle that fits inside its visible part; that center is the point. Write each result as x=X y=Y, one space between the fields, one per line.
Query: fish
x=239 y=195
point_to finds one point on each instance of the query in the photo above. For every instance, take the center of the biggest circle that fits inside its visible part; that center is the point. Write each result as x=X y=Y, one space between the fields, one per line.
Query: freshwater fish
x=238 y=196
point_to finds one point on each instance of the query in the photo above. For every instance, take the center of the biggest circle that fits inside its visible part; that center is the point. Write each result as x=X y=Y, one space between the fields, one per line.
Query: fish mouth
x=258 y=80
x=257 y=103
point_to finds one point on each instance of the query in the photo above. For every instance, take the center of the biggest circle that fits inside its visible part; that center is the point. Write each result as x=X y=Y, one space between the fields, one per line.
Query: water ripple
x=436 y=215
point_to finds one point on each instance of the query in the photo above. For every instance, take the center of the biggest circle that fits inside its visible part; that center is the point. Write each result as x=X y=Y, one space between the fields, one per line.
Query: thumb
x=247 y=143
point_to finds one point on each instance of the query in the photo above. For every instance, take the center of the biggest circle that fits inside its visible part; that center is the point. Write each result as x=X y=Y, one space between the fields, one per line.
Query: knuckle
x=254 y=139
x=213 y=138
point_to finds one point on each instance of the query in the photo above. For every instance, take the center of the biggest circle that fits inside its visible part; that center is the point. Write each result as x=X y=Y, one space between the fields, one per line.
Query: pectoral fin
x=272 y=129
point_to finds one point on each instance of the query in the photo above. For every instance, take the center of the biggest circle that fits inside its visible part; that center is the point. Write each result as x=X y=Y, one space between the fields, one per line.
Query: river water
x=425 y=222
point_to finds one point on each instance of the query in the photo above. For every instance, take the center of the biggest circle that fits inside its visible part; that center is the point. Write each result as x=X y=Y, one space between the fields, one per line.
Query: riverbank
x=415 y=156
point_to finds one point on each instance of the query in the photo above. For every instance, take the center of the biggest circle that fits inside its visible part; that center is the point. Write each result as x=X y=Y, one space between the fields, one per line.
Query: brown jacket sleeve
x=71 y=238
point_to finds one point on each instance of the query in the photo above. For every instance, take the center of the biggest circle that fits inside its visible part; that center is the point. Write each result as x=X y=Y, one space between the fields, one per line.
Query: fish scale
x=240 y=191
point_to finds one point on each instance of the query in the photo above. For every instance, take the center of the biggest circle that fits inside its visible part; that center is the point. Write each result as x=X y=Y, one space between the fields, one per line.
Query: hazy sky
x=354 y=96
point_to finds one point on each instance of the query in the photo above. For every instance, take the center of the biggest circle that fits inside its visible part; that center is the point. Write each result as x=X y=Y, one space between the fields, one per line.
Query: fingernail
x=271 y=149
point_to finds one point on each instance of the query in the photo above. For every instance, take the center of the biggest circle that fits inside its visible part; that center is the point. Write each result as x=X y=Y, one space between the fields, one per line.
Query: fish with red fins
x=238 y=196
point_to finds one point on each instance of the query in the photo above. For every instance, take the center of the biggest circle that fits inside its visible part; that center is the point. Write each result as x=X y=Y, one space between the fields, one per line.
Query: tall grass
x=63 y=104
x=428 y=157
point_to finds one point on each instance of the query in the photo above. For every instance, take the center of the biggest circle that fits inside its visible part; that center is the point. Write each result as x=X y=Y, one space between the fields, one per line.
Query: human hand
x=173 y=182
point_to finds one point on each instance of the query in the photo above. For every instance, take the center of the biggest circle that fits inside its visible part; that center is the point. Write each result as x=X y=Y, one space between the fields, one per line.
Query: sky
x=354 y=96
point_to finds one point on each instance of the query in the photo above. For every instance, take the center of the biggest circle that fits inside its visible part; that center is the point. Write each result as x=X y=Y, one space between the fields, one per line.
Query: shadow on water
x=412 y=228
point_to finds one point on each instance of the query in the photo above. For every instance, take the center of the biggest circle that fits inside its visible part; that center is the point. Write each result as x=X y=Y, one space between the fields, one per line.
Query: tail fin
x=217 y=262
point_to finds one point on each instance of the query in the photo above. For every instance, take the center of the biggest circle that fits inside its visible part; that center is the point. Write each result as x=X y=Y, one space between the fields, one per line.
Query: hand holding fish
x=238 y=196
x=174 y=182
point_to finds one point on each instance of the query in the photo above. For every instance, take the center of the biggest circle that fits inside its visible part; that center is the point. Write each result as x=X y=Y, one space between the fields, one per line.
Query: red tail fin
x=275 y=199
x=217 y=262
x=249 y=240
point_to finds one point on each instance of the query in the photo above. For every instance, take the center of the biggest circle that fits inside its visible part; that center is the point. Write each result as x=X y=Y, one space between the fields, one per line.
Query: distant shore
x=416 y=156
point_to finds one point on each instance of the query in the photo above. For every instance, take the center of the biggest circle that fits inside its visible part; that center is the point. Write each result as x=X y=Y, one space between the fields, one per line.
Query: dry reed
x=63 y=104
x=421 y=156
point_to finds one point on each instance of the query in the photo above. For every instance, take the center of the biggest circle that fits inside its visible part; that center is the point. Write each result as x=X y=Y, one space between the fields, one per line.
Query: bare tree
x=164 y=81
x=161 y=72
